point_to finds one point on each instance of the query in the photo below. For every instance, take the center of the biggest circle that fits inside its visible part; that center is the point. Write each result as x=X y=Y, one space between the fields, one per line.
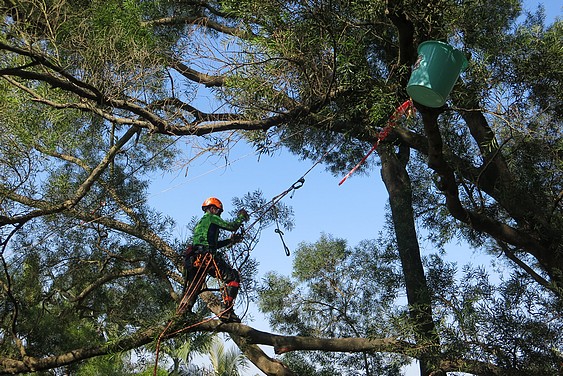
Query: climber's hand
x=237 y=238
x=243 y=214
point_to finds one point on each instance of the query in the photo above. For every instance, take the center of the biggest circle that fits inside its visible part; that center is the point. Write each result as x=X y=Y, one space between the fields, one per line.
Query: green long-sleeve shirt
x=206 y=231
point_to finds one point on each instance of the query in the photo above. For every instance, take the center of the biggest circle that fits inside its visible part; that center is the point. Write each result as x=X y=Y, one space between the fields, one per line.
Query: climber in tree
x=203 y=257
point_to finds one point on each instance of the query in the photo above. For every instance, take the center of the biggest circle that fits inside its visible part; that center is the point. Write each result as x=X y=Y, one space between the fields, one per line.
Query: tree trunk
x=398 y=184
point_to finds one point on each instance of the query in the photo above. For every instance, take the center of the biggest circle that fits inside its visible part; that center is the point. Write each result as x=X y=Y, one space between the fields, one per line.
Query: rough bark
x=397 y=182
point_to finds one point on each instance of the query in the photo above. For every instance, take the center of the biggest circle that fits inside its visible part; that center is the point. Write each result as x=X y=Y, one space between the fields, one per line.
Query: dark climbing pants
x=199 y=264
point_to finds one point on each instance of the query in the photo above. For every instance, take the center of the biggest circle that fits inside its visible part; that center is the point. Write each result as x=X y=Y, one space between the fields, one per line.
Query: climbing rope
x=273 y=202
x=204 y=265
x=298 y=184
x=271 y=205
x=286 y=248
x=280 y=233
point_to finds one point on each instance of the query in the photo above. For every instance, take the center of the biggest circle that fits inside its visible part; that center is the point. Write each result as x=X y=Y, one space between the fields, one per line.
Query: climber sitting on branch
x=203 y=257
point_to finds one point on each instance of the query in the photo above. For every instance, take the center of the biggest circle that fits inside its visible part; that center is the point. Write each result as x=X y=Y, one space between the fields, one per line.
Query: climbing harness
x=202 y=264
x=404 y=109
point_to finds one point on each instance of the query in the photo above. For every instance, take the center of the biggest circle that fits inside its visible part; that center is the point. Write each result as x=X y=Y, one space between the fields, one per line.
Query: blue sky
x=354 y=210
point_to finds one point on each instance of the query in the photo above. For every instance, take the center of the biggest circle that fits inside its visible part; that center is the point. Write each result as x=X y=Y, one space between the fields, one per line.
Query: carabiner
x=298 y=184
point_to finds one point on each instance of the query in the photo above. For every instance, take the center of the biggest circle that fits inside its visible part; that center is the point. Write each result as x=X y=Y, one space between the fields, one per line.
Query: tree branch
x=32 y=364
x=405 y=28
x=538 y=278
x=199 y=115
x=246 y=336
x=199 y=21
x=448 y=185
x=283 y=344
x=142 y=232
x=193 y=75
x=106 y=278
x=81 y=191
x=72 y=83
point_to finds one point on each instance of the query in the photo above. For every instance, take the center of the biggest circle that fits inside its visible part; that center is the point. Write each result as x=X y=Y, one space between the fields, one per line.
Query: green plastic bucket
x=435 y=72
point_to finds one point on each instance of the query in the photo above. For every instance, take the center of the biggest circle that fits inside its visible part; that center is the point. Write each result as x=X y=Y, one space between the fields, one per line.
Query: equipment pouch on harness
x=198 y=260
x=196 y=255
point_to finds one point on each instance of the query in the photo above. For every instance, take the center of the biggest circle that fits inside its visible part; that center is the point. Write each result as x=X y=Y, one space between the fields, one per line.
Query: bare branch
x=88 y=91
x=200 y=116
x=538 y=278
x=192 y=74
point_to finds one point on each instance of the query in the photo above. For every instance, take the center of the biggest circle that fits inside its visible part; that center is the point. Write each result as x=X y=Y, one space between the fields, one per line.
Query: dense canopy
x=95 y=94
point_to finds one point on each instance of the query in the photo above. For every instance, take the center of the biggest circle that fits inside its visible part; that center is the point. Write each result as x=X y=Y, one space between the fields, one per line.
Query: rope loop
x=299 y=183
x=286 y=248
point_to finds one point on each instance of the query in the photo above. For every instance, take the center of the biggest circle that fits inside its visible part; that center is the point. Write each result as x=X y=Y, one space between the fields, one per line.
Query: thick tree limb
x=155 y=123
x=142 y=116
x=538 y=278
x=405 y=29
x=509 y=234
x=193 y=75
x=250 y=336
x=283 y=344
x=398 y=184
x=70 y=82
x=266 y=364
x=199 y=116
x=495 y=177
x=449 y=186
x=31 y=364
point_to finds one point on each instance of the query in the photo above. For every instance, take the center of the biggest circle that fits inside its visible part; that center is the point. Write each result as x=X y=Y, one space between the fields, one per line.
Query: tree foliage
x=94 y=96
x=338 y=292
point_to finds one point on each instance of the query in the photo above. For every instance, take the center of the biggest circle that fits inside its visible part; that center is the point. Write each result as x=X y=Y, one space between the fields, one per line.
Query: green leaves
x=335 y=291
x=537 y=64
x=319 y=260
x=479 y=318
x=311 y=76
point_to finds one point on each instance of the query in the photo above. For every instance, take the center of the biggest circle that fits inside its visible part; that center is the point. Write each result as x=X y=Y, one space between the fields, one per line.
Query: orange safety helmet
x=212 y=201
